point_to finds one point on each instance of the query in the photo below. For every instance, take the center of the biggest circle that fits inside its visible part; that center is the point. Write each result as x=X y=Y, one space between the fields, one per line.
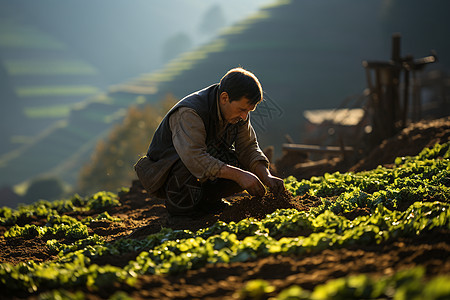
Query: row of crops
x=406 y=201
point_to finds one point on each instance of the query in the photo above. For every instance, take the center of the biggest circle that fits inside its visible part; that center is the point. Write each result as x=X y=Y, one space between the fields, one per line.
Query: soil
x=408 y=142
x=142 y=215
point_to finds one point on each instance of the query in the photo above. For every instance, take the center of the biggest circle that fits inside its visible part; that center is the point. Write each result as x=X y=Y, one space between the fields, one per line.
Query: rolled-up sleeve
x=189 y=136
x=247 y=147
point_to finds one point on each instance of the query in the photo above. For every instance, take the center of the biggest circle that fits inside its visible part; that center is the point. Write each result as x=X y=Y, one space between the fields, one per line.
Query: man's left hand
x=275 y=184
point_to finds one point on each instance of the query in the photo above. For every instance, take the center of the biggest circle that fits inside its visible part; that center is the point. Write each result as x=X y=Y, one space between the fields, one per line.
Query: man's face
x=235 y=111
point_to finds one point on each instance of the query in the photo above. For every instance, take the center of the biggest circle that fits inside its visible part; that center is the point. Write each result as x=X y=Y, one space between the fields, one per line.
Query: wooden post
x=396 y=47
x=394 y=101
x=406 y=93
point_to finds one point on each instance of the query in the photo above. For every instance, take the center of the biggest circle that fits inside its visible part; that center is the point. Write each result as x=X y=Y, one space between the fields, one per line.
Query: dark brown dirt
x=410 y=141
x=17 y=250
x=357 y=212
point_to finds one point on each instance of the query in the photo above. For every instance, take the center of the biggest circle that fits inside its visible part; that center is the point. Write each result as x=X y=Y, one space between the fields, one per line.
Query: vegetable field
x=378 y=234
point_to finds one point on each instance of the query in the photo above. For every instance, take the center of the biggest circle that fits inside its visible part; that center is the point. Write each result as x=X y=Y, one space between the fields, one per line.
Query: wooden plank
x=315 y=148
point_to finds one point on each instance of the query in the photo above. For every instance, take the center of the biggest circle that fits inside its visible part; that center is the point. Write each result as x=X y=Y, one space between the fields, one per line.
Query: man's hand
x=275 y=184
x=251 y=183
x=246 y=180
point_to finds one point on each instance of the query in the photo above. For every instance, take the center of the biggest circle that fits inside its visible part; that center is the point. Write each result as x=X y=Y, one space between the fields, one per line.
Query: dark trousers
x=186 y=195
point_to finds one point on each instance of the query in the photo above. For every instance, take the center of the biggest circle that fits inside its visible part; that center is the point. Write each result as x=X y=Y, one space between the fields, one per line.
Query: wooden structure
x=343 y=151
x=389 y=87
x=389 y=99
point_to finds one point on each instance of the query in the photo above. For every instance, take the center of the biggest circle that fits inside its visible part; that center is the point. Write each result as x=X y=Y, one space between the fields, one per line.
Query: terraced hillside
x=45 y=80
x=61 y=149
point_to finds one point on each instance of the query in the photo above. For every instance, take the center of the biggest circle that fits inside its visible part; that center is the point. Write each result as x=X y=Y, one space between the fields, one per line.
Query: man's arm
x=251 y=156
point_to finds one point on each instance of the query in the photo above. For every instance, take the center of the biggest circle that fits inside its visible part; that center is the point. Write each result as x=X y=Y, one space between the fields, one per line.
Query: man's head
x=239 y=93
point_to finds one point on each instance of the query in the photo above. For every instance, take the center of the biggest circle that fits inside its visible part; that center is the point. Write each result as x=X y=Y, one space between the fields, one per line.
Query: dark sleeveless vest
x=204 y=102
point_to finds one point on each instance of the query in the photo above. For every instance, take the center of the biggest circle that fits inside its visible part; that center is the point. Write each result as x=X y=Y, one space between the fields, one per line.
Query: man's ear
x=223 y=97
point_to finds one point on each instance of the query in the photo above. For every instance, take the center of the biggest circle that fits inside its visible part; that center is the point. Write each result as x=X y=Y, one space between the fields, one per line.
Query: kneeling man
x=206 y=149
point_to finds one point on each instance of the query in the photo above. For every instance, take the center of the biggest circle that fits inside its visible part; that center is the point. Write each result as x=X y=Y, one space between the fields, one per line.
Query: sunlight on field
x=54 y=111
x=57 y=90
x=48 y=67
x=21 y=188
x=21 y=139
x=146 y=83
x=241 y=26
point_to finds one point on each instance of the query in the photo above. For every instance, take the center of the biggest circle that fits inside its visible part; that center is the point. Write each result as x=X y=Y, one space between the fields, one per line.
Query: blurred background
x=83 y=84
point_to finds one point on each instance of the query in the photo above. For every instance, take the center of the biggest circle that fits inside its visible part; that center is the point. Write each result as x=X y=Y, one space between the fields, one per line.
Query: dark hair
x=238 y=83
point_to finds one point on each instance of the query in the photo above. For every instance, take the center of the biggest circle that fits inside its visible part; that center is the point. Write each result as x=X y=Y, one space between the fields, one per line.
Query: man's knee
x=182 y=190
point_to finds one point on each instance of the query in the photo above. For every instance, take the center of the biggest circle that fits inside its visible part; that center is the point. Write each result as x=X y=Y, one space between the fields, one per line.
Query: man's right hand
x=251 y=183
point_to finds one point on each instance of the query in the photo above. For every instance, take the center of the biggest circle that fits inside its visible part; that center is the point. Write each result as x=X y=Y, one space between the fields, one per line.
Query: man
x=205 y=149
